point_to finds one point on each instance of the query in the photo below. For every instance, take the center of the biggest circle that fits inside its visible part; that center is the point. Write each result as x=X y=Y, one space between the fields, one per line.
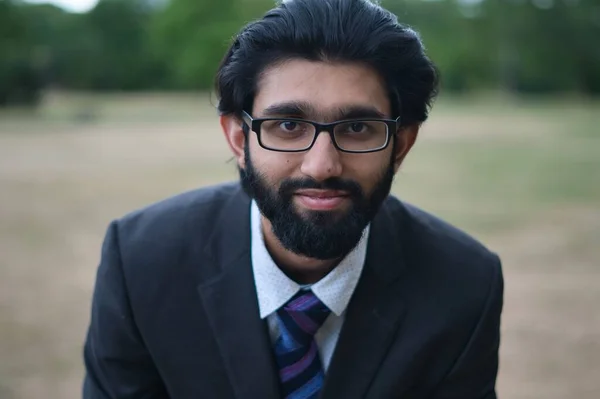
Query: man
x=307 y=279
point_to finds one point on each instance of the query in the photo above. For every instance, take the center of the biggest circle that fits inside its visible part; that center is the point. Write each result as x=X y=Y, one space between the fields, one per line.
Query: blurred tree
x=584 y=17
x=514 y=45
x=539 y=46
x=51 y=32
x=454 y=37
x=120 y=42
x=20 y=82
x=194 y=34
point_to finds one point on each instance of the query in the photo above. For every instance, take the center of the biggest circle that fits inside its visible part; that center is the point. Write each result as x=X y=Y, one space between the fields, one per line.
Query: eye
x=288 y=126
x=357 y=127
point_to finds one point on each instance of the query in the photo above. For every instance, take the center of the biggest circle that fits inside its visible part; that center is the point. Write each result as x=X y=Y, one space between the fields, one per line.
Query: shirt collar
x=274 y=288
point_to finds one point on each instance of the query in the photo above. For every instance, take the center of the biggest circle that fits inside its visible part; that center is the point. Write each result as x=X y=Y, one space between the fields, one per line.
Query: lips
x=314 y=193
x=321 y=199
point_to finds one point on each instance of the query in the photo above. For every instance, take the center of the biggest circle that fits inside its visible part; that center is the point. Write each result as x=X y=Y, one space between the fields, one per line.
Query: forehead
x=326 y=87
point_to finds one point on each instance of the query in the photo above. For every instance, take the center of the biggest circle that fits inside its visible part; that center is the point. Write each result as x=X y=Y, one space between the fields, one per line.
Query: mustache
x=289 y=186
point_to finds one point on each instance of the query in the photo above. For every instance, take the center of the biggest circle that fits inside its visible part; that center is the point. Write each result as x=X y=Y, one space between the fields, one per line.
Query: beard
x=322 y=235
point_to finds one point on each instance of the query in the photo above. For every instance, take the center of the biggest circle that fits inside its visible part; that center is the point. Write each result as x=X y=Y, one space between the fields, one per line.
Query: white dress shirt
x=274 y=288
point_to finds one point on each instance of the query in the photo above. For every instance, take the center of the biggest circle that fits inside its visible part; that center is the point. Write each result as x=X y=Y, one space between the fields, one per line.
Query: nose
x=322 y=161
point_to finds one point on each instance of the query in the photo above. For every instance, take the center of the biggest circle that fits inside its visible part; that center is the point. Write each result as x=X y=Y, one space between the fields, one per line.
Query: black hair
x=334 y=31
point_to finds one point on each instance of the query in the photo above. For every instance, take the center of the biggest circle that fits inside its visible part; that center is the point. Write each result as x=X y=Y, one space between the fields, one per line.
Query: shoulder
x=428 y=232
x=453 y=287
x=173 y=214
x=175 y=224
x=442 y=257
x=167 y=240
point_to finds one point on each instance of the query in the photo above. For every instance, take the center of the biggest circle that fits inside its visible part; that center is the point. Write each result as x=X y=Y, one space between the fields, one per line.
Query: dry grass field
x=523 y=176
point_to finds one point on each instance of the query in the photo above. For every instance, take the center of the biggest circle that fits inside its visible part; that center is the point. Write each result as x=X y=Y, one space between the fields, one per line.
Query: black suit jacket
x=175 y=313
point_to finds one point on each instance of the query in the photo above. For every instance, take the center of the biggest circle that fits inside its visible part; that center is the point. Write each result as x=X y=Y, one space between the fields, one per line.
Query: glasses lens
x=286 y=135
x=361 y=135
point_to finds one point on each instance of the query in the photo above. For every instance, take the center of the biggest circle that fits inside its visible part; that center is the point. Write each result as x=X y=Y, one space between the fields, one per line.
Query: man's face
x=319 y=201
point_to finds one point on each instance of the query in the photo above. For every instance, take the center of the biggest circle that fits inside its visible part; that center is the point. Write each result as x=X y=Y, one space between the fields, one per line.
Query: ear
x=406 y=138
x=234 y=134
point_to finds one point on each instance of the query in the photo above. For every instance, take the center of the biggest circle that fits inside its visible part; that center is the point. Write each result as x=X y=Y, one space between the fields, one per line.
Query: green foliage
x=194 y=35
x=19 y=80
x=517 y=45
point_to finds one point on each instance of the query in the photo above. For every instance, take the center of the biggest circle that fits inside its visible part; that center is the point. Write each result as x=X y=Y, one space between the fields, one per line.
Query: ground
x=523 y=176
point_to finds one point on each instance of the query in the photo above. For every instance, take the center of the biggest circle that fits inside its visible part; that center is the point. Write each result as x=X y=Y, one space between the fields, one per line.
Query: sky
x=70 y=5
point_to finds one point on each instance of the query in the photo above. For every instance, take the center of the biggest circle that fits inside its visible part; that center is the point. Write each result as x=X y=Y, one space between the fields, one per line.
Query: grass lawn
x=522 y=175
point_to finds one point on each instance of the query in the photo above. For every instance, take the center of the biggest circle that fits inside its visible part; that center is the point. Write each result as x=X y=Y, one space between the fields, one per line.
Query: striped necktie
x=300 y=370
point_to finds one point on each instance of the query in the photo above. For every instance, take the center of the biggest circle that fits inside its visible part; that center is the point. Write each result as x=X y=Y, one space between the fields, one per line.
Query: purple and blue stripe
x=300 y=369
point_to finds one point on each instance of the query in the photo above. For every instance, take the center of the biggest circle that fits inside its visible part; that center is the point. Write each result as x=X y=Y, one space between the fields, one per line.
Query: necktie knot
x=306 y=311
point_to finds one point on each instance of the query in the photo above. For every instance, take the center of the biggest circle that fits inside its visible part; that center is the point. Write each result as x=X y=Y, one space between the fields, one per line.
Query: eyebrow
x=304 y=110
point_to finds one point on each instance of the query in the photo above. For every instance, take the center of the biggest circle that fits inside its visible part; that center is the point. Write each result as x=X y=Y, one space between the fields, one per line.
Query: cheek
x=367 y=169
x=275 y=165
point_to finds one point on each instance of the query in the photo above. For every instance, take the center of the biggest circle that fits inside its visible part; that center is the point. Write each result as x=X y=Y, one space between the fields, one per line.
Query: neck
x=301 y=269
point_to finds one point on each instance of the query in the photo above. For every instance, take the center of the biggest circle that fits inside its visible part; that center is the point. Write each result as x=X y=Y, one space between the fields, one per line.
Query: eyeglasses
x=297 y=135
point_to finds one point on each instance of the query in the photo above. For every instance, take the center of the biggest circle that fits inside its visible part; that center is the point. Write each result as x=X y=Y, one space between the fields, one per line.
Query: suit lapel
x=231 y=305
x=373 y=315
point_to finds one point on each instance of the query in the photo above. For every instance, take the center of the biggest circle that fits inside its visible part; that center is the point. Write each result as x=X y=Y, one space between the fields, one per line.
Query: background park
x=109 y=109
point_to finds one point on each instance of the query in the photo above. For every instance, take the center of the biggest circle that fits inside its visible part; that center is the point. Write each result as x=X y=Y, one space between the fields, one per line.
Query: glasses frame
x=393 y=125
